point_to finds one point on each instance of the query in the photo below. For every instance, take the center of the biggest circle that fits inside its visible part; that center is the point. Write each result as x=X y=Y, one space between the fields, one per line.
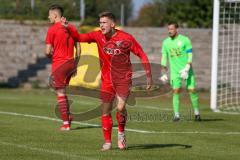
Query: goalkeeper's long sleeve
x=164 y=56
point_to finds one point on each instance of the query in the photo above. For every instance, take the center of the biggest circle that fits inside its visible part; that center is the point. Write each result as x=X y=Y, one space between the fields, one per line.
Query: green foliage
x=188 y=13
x=94 y=7
x=16 y=9
x=21 y=9
x=151 y=14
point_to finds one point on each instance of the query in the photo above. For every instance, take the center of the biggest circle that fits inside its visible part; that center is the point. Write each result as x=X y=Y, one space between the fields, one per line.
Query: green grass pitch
x=30 y=130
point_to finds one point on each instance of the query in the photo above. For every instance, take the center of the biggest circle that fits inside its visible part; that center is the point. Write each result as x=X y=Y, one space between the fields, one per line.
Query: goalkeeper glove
x=184 y=72
x=164 y=78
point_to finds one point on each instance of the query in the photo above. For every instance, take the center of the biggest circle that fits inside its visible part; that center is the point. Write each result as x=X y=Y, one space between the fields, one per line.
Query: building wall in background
x=23 y=44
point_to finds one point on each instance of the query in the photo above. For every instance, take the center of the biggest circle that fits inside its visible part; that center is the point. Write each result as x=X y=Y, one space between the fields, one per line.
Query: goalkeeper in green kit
x=177 y=49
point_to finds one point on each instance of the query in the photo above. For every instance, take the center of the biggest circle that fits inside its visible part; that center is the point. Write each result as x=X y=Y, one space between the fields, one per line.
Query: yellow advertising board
x=88 y=71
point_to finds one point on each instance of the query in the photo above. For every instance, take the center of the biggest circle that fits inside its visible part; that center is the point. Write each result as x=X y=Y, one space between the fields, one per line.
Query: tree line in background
x=21 y=9
x=188 y=13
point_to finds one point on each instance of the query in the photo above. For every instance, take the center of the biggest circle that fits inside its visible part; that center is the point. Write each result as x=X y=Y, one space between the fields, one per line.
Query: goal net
x=225 y=91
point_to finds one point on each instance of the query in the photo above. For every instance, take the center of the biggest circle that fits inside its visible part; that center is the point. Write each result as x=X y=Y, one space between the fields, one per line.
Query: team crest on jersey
x=179 y=43
x=117 y=47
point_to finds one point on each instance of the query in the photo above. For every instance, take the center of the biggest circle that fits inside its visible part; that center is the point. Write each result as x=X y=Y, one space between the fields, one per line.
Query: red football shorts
x=61 y=76
x=110 y=90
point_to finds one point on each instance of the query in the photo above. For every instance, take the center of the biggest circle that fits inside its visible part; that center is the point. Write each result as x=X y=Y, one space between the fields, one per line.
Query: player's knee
x=121 y=108
x=121 y=103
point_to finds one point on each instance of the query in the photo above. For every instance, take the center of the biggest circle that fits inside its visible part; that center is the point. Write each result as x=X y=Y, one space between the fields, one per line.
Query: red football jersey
x=62 y=43
x=114 y=54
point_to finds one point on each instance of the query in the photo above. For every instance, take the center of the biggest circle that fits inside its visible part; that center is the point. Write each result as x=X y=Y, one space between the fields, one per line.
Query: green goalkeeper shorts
x=190 y=82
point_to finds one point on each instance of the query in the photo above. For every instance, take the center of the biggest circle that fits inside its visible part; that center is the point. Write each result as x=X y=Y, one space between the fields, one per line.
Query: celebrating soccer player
x=114 y=48
x=178 y=50
x=60 y=48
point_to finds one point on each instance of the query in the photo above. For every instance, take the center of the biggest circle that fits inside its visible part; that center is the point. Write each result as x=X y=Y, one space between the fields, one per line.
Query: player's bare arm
x=149 y=83
x=138 y=51
x=48 y=50
x=78 y=52
x=77 y=56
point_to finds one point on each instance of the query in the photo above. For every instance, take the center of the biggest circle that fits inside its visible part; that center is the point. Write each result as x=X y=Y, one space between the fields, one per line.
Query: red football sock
x=63 y=107
x=121 y=119
x=107 y=127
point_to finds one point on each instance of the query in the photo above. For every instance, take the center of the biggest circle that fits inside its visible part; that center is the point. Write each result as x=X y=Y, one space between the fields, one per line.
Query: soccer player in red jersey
x=60 y=48
x=114 y=47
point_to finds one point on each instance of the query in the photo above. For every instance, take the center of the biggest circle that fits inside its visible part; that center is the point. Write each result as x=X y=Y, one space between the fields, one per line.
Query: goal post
x=225 y=73
x=215 y=33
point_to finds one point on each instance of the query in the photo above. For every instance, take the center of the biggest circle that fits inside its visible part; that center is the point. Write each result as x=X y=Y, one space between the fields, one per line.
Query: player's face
x=172 y=30
x=106 y=25
x=52 y=16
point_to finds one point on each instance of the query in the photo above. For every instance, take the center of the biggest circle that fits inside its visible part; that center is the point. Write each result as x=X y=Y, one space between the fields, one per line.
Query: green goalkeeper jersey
x=178 y=52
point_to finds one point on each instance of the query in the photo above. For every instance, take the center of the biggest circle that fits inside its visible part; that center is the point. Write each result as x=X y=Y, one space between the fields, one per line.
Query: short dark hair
x=58 y=8
x=173 y=23
x=109 y=15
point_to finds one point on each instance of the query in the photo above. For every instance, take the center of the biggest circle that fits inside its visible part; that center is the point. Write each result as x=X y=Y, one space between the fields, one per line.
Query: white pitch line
x=128 y=129
x=230 y=113
x=200 y=132
x=45 y=118
x=152 y=107
x=64 y=154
